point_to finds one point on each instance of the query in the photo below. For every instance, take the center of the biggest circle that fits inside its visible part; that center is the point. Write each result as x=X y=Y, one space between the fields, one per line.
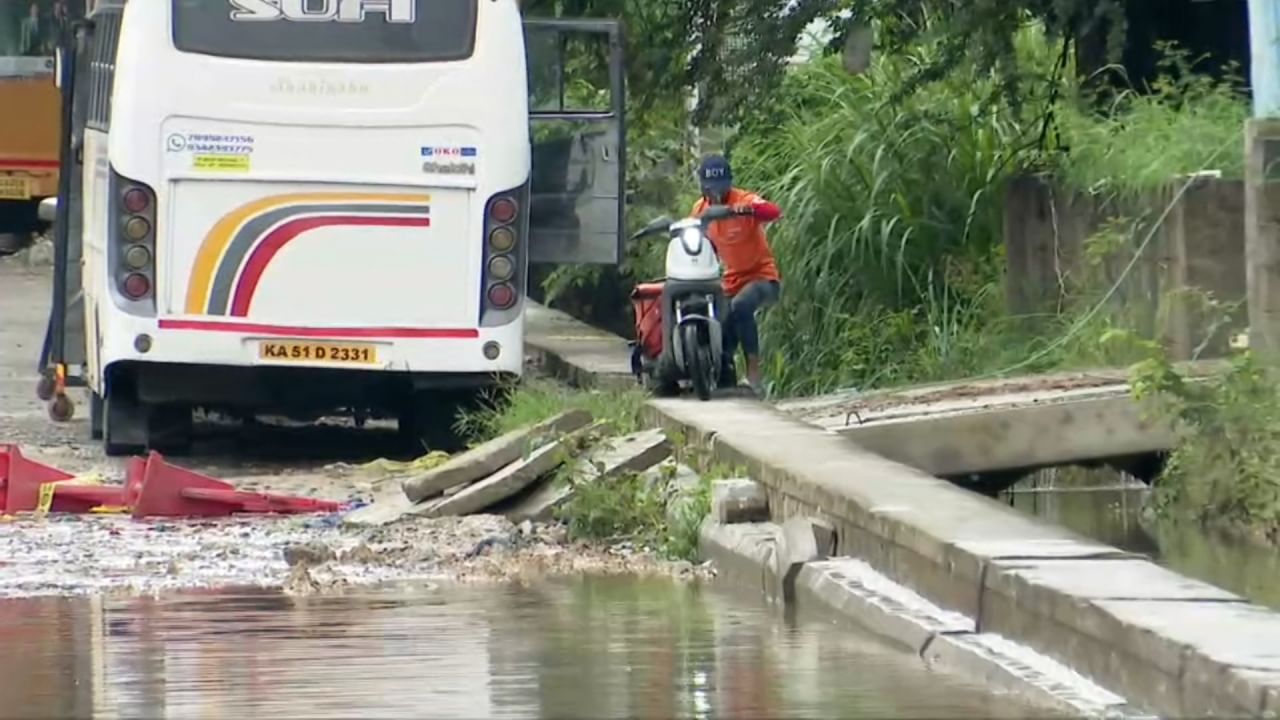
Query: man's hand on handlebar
x=744 y=209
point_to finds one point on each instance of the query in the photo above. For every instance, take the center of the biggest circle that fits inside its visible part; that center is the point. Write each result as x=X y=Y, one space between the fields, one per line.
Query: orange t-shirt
x=741 y=244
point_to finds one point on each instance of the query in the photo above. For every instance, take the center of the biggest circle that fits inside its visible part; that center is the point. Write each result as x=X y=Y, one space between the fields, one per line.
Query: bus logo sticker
x=343 y=11
x=449 y=160
x=448 y=152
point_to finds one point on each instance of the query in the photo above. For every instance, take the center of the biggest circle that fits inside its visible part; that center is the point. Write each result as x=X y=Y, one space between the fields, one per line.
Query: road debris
x=529 y=486
x=152 y=488
x=459 y=534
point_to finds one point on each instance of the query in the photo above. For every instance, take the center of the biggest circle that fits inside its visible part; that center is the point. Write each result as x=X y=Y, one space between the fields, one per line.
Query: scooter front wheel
x=697 y=356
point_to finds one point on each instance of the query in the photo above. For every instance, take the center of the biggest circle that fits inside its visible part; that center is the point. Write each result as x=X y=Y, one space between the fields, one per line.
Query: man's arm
x=759 y=208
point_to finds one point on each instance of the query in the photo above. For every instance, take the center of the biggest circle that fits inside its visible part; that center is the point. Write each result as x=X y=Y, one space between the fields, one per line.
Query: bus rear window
x=365 y=31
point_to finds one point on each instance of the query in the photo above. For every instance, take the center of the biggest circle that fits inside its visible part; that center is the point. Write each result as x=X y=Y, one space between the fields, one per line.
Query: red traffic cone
x=4 y=474
x=25 y=476
x=170 y=491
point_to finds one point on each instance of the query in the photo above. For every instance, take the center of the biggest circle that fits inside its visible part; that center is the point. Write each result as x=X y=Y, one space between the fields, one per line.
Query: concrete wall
x=1198 y=244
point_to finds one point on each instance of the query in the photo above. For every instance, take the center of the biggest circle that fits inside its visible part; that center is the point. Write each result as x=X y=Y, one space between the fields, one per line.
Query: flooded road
x=588 y=648
x=1101 y=505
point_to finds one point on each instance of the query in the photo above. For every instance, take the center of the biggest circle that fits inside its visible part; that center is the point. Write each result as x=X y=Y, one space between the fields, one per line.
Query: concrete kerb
x=957 y=548
x=1007 y=571
x=748 y=554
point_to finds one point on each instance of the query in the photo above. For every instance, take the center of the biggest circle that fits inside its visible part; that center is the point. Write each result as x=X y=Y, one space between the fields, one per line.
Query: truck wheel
x=698 y=357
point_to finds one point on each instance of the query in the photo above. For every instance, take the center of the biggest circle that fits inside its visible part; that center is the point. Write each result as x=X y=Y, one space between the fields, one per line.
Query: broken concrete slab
x=636 y=452
x=798 y=545
x=675 y=475
x=742 y=554
x=386 y=508
x=490 y=457
x=855 y=590
x=506 y=482
x=739 y=500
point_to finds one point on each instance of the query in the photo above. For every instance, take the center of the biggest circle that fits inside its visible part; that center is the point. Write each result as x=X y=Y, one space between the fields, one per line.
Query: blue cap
x=715 y=175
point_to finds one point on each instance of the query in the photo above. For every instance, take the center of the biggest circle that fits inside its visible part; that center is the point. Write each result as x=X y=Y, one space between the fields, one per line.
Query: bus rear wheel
x=95 y=415
x=124 y=421
x=130 y=426
x=428 y=420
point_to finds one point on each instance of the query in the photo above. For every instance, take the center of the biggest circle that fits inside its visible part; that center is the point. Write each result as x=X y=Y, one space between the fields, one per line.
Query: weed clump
x=537 y=399
x=660 y=510
x=1224 y=472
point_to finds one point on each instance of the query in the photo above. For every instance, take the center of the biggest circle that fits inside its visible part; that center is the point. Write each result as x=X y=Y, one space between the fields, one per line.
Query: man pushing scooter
x=751 y=279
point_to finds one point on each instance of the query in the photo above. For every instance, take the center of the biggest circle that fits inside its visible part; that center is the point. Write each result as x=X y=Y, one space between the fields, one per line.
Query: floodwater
x=1108 y=507
x=588 y=648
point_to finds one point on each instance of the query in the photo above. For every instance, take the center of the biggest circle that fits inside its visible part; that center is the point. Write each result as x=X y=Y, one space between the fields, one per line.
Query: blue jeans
x=741 y=326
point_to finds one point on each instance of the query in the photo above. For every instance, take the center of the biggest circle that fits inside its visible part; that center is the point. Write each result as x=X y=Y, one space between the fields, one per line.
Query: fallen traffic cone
x=170 y=491
x=4 y=474
x=135 y=471
x=26 y=476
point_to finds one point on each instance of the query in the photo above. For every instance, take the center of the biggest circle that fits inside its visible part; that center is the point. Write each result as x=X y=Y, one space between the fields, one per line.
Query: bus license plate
x=13 y=188
x=340 y=353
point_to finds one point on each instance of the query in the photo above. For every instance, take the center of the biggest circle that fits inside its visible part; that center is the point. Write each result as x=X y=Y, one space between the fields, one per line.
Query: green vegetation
x=892 y=245
x=893 y=187
x=537 y=399
x=1225 y=471
x=660 y=509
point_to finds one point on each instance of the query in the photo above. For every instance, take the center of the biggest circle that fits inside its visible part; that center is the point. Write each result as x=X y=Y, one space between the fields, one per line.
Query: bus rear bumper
x=418 y=352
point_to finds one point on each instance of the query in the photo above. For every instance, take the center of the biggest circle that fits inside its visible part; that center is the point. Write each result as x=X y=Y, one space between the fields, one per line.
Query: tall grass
x=1143 y=139
x=893 y=220
x=891 y=246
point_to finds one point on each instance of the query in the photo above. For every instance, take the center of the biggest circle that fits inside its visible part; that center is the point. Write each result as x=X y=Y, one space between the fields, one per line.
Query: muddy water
x=1105 y=506
x=587 y=648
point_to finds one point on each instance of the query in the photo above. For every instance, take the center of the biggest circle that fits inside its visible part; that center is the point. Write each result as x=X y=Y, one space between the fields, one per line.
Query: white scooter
x=679 y=333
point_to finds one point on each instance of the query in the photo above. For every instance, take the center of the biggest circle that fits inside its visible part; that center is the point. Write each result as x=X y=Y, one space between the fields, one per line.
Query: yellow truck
x=30 y=112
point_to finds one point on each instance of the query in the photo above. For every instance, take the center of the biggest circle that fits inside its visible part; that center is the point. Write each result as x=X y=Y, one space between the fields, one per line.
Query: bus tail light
x=132 y=240
x=506 y=259
x=136 y=200
x=136 y=286
x=501 y=295
x=503 y=210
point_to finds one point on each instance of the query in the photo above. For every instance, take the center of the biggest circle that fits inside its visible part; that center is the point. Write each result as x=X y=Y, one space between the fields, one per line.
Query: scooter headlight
x=691 y=239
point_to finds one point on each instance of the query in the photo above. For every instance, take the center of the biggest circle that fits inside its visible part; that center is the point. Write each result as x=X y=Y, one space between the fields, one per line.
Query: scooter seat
x=647 y=291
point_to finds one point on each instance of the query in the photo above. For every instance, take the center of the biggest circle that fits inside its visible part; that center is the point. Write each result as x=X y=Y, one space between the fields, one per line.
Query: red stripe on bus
x=275 y=241
x=317 y=332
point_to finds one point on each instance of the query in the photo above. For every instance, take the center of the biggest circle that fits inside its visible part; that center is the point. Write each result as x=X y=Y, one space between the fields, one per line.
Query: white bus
x=310 y=207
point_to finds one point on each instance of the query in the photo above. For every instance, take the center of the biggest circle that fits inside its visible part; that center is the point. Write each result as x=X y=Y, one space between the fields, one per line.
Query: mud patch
x=80 y=555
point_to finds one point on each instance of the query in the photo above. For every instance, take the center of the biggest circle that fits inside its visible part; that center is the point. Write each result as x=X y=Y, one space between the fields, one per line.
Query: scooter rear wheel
x=697 y=354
